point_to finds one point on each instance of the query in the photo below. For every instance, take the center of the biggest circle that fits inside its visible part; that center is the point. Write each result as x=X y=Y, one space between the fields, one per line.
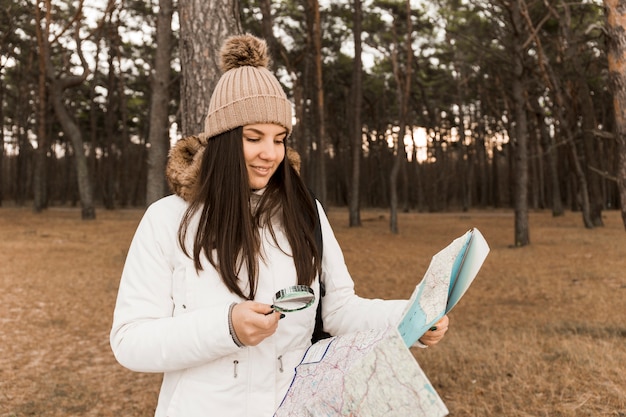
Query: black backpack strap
x=318 y=332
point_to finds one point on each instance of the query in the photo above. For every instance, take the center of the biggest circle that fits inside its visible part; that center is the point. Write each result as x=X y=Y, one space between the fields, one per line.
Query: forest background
x=448 y=114
x=424 y=106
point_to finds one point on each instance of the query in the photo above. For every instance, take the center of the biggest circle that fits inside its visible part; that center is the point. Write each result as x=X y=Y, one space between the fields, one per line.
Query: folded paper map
x=373 y=373
x=449 y=275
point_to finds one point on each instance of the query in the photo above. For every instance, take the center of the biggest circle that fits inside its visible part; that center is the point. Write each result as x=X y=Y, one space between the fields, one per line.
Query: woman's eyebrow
x=259 y=132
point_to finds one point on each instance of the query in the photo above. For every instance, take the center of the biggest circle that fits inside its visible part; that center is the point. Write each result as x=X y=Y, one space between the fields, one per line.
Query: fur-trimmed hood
x=183 y=166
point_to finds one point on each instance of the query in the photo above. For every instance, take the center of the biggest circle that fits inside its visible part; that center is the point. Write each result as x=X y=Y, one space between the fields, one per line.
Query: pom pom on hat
x=244 y=50
x=247 y=92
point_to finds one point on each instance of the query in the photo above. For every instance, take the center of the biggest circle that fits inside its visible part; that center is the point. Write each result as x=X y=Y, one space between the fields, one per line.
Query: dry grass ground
x=541 y=332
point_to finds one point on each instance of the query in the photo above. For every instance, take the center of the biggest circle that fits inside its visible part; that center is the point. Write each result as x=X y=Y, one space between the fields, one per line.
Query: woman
x=195 y=298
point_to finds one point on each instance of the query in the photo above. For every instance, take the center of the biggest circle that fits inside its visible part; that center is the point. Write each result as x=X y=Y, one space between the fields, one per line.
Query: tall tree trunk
x=496 y=196
x=159 y=115
x=522 y=237
x=548 y=147
x=57 y=85
x=464 y=162
x=357 y=130
x=124 y=173
x=417 y=171
x=304 y=96
x=590 y=182
x=596 y=200
x=204 y=26
x=483 y=175
x=320 y=130
x=616 y=24
x=40 y=155
x=97 y=137
x=73 y=132
x=1 y=142
x=403 y=81
x=110 y=137
x=563 y=16
x=71 y=129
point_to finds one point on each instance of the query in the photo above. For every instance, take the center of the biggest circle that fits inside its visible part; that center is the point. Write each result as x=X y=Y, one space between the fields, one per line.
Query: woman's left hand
x=432 y=337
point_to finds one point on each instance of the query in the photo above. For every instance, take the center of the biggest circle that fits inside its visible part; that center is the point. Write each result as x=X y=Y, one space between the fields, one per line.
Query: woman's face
x=263 y=151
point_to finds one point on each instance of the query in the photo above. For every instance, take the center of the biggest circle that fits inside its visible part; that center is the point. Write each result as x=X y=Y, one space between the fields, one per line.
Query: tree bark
x=57 y=85
x=1 y=142
x=305 y=98
x=616 y=29
x=592 y=201
x=564 y=124
x=85 y=187
x=549 y=150
x=113 y=100
x=204 y=26
x=522 y=237
x=124 y=175
x=40 y=156
x=357 y=130
x=403 y=82
x=158 y=138
x=596 y=201
x=320 y=130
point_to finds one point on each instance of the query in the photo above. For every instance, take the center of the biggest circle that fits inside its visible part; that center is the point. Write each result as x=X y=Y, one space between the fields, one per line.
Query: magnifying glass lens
x=295 y=298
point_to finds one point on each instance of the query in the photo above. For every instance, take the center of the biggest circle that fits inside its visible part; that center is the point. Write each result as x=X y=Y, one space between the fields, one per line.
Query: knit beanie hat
x=247 y=92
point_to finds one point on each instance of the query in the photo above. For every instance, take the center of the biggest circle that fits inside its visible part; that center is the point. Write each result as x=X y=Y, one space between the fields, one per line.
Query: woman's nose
x=268 y=150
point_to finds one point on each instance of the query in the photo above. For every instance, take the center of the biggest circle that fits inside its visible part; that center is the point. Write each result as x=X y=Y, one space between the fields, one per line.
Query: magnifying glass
x=294 y=298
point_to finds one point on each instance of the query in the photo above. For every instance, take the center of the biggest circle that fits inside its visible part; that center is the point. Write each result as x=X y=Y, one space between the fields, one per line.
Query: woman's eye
x=252 y=139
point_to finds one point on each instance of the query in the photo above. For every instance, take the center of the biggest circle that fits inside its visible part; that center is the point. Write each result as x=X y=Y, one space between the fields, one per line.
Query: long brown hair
x=227 y=232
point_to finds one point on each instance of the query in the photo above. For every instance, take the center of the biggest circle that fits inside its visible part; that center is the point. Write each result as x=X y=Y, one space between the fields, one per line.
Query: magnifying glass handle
x=282 y=315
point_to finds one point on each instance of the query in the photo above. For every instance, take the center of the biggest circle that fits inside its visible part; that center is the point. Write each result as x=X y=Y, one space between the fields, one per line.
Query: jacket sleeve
x=145 y=336
x=342 y=310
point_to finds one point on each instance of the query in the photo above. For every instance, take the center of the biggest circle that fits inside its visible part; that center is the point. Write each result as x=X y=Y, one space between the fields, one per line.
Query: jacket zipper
x=280 y=361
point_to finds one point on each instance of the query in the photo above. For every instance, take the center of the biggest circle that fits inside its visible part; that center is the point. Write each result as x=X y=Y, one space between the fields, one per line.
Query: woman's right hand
x=253 y=322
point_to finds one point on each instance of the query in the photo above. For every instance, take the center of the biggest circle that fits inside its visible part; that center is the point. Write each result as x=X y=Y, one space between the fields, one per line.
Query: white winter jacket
x=170 y=319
